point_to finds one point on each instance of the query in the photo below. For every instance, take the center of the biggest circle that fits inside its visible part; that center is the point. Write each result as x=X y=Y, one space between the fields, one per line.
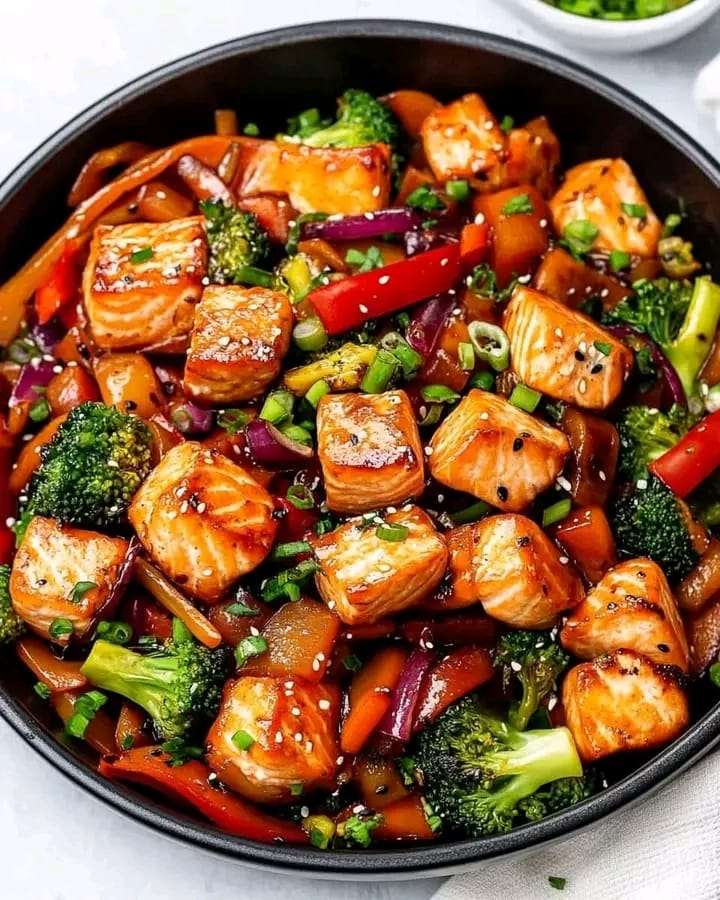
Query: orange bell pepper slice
x=370 y=697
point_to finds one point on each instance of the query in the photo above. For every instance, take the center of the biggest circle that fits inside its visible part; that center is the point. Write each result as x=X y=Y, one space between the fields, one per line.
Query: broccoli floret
x=705 y=502
x=536 y=660
x=679 y=316
x=11 y=625
x=648 y=521
x=236 y=240
x=479 y=773
x=645 y=434
x=558 y=795
x=91 y=468
x=361 y=120
x=178 y=685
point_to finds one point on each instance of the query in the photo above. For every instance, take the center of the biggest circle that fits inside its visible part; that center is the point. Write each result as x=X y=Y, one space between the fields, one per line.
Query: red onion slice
x=191 y=419
x=34 y=377
x=667 y=372
x=398 y=721
x=271 y=447
x=369 y=225
x=427 y=322
x=50 y=334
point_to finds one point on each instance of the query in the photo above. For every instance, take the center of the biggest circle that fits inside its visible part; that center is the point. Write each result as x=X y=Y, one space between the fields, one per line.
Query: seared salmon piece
x=462 y=139
x=631 y=607
x=238 y=343
x=532 y=157
x=203 y=519
x=60 y=572
x=142 y=281
x=365 y=577
x=563 y=353
x=290 y=729
x=370 y=450
x=458 y=587
x=490 y=449
x=519 y=575
x=321 y=179
x=607 y=193
x=622 y=701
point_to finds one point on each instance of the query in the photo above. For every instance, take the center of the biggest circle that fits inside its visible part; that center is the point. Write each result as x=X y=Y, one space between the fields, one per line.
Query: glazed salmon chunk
x=623 y=701
x=631 y=607
x=274 y=737
x=458 y=587
x=490 y=449
x=321 y=179
x=563 y=353
x=63 y=573
x=239 y=339
x=606 y=193
x=142 y=281
x=363 y=576
x=462 y=139
x=203 y=520
x=519 y=575
x=370 y=451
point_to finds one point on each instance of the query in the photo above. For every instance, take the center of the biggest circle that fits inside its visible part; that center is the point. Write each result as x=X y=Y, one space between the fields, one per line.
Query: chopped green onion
x=141 y=256
x=321 y=830
x=39 y=410
x=353 y=663
x=59 y=628
x=432 y=818
x=251 y=130
x=579 y=236
x=254 y=276
x=115 y=632
x=470 y=513
x=242 y=740
x=296 y=229
x=127 y=741
x=81 y=588
x=22 y=350
x=277 y=407
x=459 y=190
x=42 y=690
x=520 y=203
x=425 y=199
x=181 y=634
x=507 y=124
x=290 y=549
x=324 y=525
x=379 y=373
x=714 y=674
x=672 y=222
x=491 y=344
x=557 y=882
x=240 y=609
x=619 y=260
x=310 y=335
x=300 y=496
x=297 y=433
x=391 y=531
x=466 y=356
x=603 y=347
x=316 y=392
x=232 y=420
x=180 y=752
x=252 y=645
x=410 y=360
x=296 y=789
x=364 y=262
x=84 y=709
x=557 y=512
x=483 y=380
x=287 y=583
x=432 y=416
x=525 y=398
x=438 y=393
x=635 y=210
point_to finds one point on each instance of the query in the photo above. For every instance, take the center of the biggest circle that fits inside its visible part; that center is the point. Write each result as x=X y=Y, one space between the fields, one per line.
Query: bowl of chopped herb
x=618 y=26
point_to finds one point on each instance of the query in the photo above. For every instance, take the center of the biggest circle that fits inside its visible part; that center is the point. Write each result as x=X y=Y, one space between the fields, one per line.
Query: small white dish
x=604 y=36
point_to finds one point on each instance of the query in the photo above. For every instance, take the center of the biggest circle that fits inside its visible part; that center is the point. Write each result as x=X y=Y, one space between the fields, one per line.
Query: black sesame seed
x=663 y=648
x=518 y=444
x=580 y=357
x=502 y=493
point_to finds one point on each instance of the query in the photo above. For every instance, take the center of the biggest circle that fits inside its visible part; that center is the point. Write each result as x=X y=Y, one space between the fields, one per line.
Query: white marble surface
x=56 y=843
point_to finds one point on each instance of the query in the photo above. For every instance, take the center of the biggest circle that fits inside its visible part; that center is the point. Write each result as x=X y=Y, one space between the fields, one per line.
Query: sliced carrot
x=457 y=674
x=370 y=697
x=404 y=820
x=100 y=733
x=378 y=781
x=129 y=728
x=588 y=540
x=29 y=457
x=57 y=674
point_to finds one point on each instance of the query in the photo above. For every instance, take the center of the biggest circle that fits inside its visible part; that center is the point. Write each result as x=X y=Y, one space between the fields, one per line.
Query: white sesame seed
x=488 y=125
x=315 y=665
x=552 y=703
x=308 y=746
x=363 y=309
x=376 y=191
x=278 y=737
x=428 y=451
x=559 y=332
x=563 y=560
x=563 y=483
x=480 y=219
x=524 y=279
x=324 y=704
x=207 y=572
x=602 y=476
x=298 y=737
x=9 y=522
x=305 y=810
x=582 y=386
x=295 y=710
x=369 y=216
x=254 y=631
x=340 y=760
x=515 y=666
x=184 y=506
x=543 y=223
x=444 y=261
x=642 y=484
x=224 y=341
x=383 y=279
x=289 y=684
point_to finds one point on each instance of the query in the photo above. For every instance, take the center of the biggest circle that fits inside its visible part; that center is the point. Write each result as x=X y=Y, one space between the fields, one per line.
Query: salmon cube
x=563 y=353
x=142 y=281
x=458 y=587
x=321 y=179
x=61 y=572
x=632 y=607
x=238 y=342
x=370 y=451
x=606 y=193
x=490 y=449
x=519 y=575
x=462 y=139
x=203 y=519
x=532 y=157
x=364 y=577
x=287 y=738
x=622 y=701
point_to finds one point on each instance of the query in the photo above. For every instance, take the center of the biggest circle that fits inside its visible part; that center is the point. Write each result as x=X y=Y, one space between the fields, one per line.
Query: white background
x=56 y=843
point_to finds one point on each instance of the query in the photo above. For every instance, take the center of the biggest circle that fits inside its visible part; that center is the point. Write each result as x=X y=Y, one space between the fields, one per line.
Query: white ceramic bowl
x=604 y=36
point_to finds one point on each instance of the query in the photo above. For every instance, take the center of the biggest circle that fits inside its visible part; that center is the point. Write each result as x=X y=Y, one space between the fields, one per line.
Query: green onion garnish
x=251 y=130
x=287 y=583
x=300 y=496
x=81 y=588
x=425 y=199
x=635 y=210
x=141 y=256
x=316 y=392
x=603 y=347
x=297 y=433
x=491 y=344
x=364 y=262
x=238 y=608
x=432 y=416
x=242 y=740
x=525 y=398
x=410 y=360
x=459 y=190
x=84 y=710
x=483 y=380
x=672 y=222
x=470 y=513
x=39 y=410
x=252 y=645
x=438 y=393
x=466 y=356
x=59 y=628
x=353 y=663
x=296 y=789
x=520 y=203
x=619 y=260
x=557 y=882
x=42 y=690
x=277 y=407
x=507 y=124
x=310 y=335
x=391 y=531
x=254 y=276
x=115 y=632
x=579 y=236
x=232 y=420
x=557 y=512
x=290 y=549
x=379 y=373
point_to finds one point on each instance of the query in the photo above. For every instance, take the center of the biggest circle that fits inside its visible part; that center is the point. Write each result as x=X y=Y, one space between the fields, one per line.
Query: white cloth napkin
x=669 y=847
x=707 y=89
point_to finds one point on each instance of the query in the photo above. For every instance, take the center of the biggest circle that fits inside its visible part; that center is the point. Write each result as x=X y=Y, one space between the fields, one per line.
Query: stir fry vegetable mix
x=617 y=10
x=365 y=476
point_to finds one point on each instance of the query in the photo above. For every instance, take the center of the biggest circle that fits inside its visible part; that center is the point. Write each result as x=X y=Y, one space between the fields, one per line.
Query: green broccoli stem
x=145 y=680
x=520 y=712
x=536 y=758
x=689 y=350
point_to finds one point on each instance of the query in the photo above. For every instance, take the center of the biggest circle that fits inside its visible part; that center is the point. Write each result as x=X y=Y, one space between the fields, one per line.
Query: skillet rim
x=408 y=861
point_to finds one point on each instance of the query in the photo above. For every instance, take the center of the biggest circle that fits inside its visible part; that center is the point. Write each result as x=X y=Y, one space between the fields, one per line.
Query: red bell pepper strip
x=693 y=459
x=60 y=288
x=474 y=244
x=349 y=303
x=189 y=782
x=460 y=672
